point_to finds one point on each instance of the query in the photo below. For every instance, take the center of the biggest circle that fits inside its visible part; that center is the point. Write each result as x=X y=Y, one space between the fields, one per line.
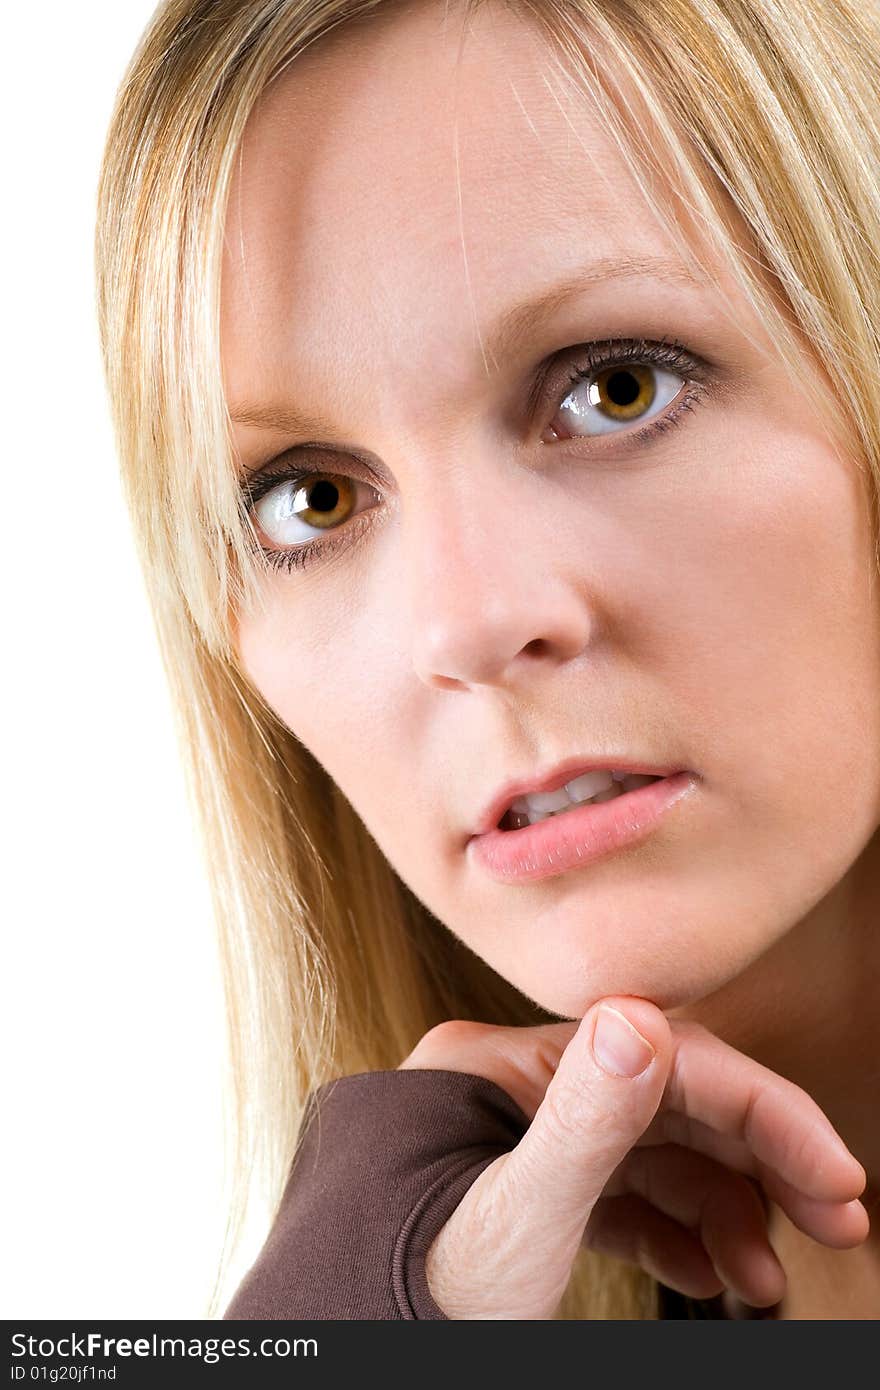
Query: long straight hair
x=331 y=965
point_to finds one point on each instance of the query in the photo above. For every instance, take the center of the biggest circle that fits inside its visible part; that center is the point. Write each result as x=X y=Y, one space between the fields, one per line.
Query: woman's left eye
x=633 y=388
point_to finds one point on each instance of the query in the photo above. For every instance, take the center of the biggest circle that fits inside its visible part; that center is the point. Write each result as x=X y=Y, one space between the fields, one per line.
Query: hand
x=669 y=1170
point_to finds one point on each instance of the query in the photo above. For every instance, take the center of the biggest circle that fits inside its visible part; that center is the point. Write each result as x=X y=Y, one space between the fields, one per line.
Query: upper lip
x=557 y=776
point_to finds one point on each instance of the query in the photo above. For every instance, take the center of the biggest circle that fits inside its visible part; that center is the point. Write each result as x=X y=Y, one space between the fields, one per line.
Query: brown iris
x=624 y=392
x=331 y=500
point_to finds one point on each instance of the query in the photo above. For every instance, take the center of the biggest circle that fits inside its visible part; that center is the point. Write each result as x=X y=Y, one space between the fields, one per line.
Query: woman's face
x=509 y=576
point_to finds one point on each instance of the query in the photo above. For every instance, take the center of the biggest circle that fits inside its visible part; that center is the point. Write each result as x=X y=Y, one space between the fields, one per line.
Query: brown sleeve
x=385 y=1158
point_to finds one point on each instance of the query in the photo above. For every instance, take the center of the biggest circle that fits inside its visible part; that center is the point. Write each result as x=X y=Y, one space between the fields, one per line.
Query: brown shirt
x=385 y=1158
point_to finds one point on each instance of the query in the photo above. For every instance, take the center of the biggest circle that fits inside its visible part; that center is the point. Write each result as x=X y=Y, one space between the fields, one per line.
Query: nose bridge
x=483 y=578
x=457 y=519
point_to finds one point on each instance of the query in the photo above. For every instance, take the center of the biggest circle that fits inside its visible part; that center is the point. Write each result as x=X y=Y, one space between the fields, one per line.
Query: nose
x=491 y=587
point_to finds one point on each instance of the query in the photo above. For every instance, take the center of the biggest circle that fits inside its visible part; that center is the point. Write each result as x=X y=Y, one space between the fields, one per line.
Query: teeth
x=589 y=787
x=548 y=801
x=582 y=788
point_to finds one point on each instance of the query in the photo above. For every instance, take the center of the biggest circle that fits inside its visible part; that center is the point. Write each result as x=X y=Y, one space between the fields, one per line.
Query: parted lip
x=557 y=776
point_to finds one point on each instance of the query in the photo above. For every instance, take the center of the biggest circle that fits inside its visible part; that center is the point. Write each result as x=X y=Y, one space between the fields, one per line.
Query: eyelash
x=610 y=352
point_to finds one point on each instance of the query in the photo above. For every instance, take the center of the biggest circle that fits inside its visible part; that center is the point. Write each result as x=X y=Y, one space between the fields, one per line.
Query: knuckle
x=805 y=1153
x=448 y=1040
x=563 y=1115
x=453 y=1030
x=571 y=1112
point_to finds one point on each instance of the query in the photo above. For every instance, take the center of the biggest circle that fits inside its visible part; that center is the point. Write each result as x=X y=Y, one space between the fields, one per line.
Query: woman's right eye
x=292 y=507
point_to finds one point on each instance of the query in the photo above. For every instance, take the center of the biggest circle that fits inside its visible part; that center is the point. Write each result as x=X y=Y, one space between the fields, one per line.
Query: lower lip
x=580 y=836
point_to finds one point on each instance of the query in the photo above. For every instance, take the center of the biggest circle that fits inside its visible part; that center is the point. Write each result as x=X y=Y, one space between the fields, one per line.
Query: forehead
x=404 y=182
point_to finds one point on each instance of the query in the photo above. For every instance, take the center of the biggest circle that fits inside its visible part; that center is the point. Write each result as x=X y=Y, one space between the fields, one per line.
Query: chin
x=671 y=979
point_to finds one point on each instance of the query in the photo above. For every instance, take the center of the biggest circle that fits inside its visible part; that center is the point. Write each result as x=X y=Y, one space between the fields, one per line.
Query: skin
x=705 y=599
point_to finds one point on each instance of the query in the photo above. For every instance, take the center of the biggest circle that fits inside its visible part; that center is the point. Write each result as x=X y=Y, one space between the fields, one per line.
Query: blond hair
x=331 y=964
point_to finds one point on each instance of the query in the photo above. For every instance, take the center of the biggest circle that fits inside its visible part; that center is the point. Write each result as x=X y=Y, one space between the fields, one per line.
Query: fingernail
x=617 y=1046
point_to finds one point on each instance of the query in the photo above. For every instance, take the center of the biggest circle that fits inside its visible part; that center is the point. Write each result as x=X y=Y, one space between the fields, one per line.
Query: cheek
x=754 y=619
x=289 y=668
x=282 y=679
x=303 y=649
x=335 y=678
x=787 y=635
x=782 y=681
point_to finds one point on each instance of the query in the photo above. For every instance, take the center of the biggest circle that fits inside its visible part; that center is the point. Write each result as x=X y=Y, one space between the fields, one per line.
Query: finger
x=781 y=1124
x=523 y=1060
x=589 y=1117
x=519 y=1060
x=672 y=1127
x=629 y=1228
x=841 y=1225
x=724 y=1210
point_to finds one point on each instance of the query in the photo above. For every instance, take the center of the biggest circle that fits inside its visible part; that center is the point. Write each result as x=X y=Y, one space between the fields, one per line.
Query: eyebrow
x=509 y=331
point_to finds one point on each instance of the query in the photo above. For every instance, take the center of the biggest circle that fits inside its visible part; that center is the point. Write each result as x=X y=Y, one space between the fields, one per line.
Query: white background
x=110 y=995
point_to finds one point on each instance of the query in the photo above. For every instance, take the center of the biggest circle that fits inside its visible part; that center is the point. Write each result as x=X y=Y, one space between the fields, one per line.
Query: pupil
x=324 y=496
x=622 y=388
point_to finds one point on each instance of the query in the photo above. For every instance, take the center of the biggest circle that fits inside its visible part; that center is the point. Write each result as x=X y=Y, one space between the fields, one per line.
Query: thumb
x=602 y=1097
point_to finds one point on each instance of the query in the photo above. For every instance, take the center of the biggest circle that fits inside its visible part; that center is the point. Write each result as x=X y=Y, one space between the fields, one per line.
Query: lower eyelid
x=686 y=401
x=303 y=553
x=693 y=393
